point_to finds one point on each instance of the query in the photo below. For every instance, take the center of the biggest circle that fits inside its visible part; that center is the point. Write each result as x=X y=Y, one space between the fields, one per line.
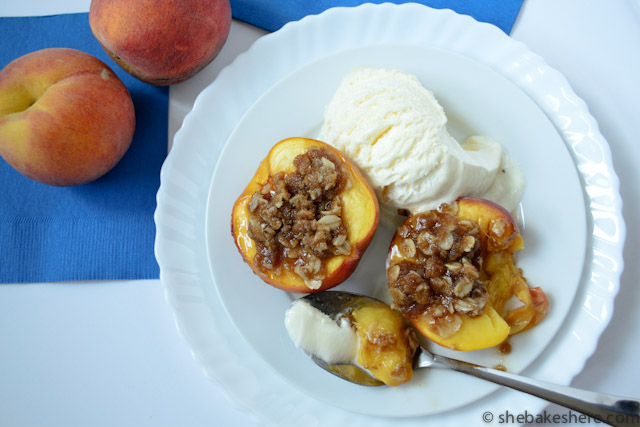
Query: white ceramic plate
x=490 y=85
x=483 y=102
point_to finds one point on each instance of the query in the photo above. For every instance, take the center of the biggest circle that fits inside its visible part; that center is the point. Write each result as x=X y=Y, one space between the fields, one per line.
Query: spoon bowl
x=613 y=410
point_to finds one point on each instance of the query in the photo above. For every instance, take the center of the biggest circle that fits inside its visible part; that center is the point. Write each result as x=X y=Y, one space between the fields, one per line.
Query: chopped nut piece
x=467 y=243
x=313 y=284
x=498 y=227
x=343 y=249
x=446 y=243
x=453 y=266
x=464 y=305
x=442 y=285
x=331 y=221
x=328 y=163
x=463 y=287
x=339 y=240
x=265 y=189
x=409 y=247
x=466 y=223
x=393 y=272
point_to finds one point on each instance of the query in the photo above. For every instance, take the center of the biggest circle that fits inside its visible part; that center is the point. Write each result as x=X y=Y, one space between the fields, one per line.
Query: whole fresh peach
x=65 y=117
x=161 y=42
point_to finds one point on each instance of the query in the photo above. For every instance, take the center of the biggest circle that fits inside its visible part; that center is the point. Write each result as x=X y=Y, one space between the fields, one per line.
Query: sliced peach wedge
x=452 y=271
x=306 y=217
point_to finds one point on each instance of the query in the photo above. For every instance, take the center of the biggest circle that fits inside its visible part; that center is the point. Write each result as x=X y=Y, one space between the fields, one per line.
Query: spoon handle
x=613 y=410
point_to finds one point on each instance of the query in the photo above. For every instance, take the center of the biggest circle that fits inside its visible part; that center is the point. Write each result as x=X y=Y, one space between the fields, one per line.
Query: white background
x=109 y=353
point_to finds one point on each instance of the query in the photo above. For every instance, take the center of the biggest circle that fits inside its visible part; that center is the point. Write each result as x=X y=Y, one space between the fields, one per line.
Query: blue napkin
x=273 y=14
x=100 y=230
x=104 y=230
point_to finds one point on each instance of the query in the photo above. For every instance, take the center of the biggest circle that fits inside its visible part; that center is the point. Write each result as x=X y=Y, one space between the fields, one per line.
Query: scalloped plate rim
x=173 y=293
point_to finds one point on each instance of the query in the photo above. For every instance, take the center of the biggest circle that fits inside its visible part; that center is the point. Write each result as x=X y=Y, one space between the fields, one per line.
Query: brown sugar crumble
x=296 y=218
x=439 y=277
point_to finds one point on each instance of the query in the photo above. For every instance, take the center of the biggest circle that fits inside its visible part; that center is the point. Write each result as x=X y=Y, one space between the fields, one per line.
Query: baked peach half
x=306 y=217
x=451 y=271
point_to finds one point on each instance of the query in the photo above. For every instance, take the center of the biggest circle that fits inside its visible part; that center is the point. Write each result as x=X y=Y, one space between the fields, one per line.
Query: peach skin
x=65 y=117
x=162 y=42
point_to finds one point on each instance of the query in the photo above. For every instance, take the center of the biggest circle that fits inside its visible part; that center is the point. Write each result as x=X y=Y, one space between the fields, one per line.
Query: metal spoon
x=614 y=410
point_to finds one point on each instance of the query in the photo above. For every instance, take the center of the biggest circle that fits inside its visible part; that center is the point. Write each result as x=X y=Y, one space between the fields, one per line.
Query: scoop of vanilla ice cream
x=319 y=335
x=395 y=131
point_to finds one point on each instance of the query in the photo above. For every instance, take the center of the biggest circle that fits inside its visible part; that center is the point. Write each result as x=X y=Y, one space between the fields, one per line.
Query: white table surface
x=109 y=353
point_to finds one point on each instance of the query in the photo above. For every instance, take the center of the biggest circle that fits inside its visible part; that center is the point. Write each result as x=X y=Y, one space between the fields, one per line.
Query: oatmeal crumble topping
x=439 y=277
x=296 y=218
